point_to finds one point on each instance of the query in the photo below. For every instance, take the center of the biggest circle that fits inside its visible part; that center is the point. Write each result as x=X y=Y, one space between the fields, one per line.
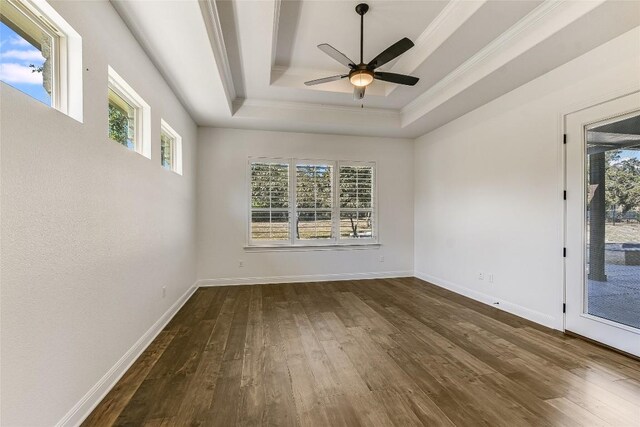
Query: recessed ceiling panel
x=467 y=53
x=305 y=24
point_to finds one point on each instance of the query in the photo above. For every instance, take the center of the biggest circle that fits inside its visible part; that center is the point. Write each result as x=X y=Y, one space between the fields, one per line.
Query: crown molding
x=343 y=117
x=306 y=106
x=274 y=33
x=449 y=20
x=541 y=23
x=214 y=31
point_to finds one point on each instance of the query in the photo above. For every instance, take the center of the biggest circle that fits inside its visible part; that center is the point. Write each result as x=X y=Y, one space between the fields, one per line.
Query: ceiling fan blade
x=390 y=53
x=337 y=55
x=396 y=78
x=358 y=92
x=325 y=80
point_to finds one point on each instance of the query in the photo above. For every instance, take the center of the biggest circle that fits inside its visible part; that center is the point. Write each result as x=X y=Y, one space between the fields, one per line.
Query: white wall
x=90 y=230
x=223 y=207
x=488 y=186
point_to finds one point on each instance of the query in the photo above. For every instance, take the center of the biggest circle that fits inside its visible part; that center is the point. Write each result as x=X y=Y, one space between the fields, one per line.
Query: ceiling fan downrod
x=361 y=9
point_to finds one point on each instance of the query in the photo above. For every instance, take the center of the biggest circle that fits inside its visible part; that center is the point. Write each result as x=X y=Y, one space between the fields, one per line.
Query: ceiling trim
x=214 y=31
x=541 y=23
x=448 y=21
x=307 y=106
x=301 y=112
x=274 y=32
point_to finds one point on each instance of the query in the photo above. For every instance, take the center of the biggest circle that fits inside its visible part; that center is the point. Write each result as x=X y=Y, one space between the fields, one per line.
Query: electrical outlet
x=240 y=263
x=381 y=258
x=480 y=276
x=164 y=291
x=491 y=278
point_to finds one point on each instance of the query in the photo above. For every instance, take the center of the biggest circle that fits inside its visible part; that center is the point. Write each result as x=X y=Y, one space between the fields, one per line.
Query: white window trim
x=374 y=201
x=267 y=243
x=142 y=111
x=176 y=156
x=67 y=59
x=294 y=197
x=294 y=244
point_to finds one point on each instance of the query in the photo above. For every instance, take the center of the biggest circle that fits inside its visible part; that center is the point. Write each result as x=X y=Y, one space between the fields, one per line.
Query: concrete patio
x=617 y=299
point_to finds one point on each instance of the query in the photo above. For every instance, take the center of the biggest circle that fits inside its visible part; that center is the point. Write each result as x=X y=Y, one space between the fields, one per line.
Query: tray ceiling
x=248 y=60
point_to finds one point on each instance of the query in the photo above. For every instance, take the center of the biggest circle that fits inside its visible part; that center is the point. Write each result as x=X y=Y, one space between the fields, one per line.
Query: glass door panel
x=602 y=265
x=613 y=220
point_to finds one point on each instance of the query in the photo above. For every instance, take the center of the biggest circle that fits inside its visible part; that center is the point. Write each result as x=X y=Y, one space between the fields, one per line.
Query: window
x=270 y=201
x=356 y=201
x=122 y=120
x=41 y=55
x=314 y=201
x=129 y=116
x=323 y=202
x=170 y=148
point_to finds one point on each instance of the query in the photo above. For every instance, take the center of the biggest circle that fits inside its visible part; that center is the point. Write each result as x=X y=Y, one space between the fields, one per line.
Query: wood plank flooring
x=366 y=353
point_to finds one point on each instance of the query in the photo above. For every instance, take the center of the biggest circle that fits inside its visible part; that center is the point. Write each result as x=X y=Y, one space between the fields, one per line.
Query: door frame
x=632 y=347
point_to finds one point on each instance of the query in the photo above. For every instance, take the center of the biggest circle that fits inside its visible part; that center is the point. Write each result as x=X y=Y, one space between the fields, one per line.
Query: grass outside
x=622 y=232
x=307 y=229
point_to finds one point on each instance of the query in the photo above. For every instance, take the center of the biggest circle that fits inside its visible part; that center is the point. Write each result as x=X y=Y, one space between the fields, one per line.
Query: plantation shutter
x=270 y=201
x=356 y=201
x=314 y=201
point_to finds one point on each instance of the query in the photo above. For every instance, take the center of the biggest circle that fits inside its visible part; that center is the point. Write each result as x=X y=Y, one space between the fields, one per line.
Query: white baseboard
x=89 y=401
x=533 y=315
x=233 y=281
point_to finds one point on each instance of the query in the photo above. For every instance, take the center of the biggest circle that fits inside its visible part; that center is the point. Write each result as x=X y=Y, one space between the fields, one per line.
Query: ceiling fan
x=361 y=75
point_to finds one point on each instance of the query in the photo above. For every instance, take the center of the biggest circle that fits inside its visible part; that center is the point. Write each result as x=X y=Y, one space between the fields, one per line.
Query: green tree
x=314 y=199
x=118 y=125
x=622 y=183
x=270 y=200
x=356 y=195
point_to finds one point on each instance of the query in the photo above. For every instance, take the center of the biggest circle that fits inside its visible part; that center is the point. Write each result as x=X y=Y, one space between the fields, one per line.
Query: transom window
x=27 y=52
x=322 y=202
x=129 y=116
x=41 y=55
x=170 y=148
x=122 y=120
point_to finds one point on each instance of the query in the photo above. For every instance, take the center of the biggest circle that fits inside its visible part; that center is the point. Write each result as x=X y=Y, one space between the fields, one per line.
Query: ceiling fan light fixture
x=361 y=78
x=363 y=74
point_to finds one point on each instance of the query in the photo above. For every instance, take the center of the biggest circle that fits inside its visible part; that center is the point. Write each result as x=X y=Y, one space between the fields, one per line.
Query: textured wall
x=91 y=231
x=223 y=202
x=488 y=186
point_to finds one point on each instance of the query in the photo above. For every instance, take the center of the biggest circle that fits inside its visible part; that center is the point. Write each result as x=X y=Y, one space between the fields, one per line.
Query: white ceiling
x=248 y=60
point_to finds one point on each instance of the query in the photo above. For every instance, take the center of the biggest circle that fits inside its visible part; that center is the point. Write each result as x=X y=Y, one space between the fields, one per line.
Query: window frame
x=142 y=112
x=176 y=149
x=293 y=242
x=65 y=57
x=293 y=190
x=374 y=202
x=266 y=243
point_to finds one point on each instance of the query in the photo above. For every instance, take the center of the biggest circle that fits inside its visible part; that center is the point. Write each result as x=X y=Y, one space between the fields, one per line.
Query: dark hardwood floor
x=370 y=353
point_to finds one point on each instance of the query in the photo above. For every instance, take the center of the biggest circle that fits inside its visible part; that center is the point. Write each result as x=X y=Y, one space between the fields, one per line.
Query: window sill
x=317 y=247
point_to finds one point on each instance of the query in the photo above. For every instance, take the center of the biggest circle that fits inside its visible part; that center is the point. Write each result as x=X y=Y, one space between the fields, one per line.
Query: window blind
x=356 y=201
x=269 y=201
x=314 y=201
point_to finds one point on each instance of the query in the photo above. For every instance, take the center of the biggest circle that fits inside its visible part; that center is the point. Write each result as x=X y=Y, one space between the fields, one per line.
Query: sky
x=629 y=154
x=16 y=54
